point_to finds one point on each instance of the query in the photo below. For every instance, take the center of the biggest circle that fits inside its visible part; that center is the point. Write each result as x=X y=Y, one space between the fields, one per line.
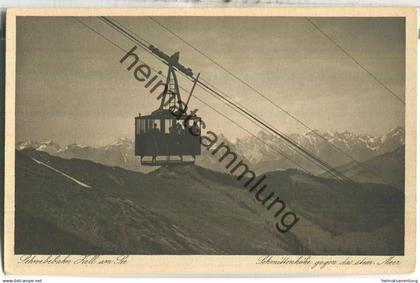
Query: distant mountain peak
x=123 y=141
x=396 y=131
x=76 y=145
x=46 y=145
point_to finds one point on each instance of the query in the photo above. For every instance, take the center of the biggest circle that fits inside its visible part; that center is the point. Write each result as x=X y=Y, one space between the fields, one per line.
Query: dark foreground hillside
x=81 y=207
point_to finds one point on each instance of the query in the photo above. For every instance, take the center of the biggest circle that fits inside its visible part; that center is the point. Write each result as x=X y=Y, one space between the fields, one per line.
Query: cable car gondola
x=168 y=135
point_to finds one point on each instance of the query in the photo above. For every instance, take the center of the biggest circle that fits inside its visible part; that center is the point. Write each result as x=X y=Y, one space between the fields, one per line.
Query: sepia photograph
x=271 y=142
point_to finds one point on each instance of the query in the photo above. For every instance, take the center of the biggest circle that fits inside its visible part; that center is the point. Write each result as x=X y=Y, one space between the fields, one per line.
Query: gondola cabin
x=165 y=137
x=162 y=138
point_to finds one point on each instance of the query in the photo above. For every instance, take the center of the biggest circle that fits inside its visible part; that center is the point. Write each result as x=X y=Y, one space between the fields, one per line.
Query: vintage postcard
x=210 y=141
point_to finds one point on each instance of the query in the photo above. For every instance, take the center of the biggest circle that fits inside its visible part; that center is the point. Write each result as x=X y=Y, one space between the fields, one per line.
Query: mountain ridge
x=386 y=168
x=334 y=148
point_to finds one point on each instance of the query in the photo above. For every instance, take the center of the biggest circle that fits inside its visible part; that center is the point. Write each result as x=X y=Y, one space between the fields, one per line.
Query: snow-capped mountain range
x=264 y=153
x=335 y=148
x=120 y=153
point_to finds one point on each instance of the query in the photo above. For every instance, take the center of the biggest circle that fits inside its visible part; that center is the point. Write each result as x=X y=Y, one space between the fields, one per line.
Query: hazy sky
x=71 y=88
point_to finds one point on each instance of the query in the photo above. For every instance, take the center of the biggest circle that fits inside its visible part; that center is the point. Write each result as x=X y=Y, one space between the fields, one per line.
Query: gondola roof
x=163 y=114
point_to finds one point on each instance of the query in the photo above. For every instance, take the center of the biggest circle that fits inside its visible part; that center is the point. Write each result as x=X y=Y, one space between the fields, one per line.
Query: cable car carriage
x=168 y=135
